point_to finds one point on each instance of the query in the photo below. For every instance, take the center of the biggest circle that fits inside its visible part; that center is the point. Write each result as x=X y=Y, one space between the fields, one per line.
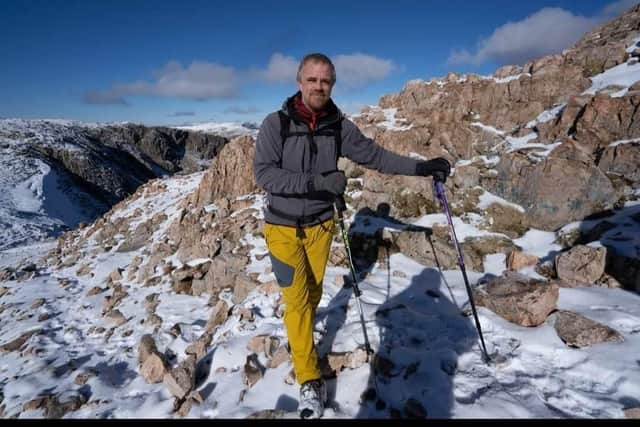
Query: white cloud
x=204 y=80
x=358 y=69
x=354 y=70
x=200 y=81
x=281 y=69
x=545 y=32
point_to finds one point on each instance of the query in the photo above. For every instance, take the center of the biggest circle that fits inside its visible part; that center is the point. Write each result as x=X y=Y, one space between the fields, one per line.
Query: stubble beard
x=317 y=101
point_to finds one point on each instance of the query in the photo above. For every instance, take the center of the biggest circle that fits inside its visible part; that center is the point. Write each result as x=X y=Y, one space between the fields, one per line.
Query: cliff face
x=554 y=120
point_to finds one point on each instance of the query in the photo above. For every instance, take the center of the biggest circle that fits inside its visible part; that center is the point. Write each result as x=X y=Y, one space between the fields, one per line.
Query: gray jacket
x=284 y=170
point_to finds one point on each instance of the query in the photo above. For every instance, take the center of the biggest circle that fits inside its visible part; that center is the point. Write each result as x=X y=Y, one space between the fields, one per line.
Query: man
x=296 y=164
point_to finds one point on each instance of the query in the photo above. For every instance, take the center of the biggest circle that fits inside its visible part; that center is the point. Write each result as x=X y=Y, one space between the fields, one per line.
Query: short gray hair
x=317 y=57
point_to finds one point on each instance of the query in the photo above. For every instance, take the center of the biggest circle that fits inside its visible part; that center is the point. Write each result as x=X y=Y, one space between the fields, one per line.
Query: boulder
x=578 y=331
x=219 y=314
x=154 y=368
x=181 y=379
x=581 y=265
x=518 y=299
x=517 y=260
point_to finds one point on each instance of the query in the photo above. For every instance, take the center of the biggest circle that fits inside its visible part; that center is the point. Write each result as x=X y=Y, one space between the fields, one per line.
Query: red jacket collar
x=309 y=117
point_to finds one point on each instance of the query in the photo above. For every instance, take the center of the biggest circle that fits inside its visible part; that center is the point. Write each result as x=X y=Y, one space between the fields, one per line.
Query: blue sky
x=174 y=62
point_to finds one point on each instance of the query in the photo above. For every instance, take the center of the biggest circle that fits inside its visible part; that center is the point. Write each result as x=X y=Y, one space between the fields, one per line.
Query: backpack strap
x=335 y=131
x=285 y=124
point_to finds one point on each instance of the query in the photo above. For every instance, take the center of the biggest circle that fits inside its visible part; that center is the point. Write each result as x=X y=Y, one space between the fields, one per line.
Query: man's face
x=315 y=85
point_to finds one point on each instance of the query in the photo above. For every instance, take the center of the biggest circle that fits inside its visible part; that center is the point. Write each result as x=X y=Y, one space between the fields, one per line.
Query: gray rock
x=146 y=348
x=154 y=368
x=39 y=302
x=179 y=382
x=116 y=317
x=581 y=265
x=243 y=285
x=17 y=343
x=578 y=331
x=533 y=185
x=253 y=370
x=518 y=299
x=219 y=314
x=200 y=346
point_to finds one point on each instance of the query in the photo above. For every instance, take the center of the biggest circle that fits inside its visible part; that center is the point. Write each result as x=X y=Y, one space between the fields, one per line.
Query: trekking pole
x=341 y=206
x=374 y=393
x=438 y=179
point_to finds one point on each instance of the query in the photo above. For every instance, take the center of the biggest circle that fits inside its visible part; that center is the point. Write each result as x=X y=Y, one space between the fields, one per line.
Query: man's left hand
x=430 y=167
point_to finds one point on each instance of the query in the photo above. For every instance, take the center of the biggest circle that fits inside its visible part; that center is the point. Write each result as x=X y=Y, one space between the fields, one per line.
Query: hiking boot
x=313 y=395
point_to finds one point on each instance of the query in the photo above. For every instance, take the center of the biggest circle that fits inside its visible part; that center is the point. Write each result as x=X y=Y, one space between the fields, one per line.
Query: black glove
x=332 y=182
x=439 y=166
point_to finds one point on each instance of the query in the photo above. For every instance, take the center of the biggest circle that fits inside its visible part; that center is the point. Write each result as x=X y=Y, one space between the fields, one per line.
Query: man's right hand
x=332 y=182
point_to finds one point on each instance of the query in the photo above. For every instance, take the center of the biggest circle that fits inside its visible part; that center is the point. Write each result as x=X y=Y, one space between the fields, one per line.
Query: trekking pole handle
x=341 y=205
x=439 y=176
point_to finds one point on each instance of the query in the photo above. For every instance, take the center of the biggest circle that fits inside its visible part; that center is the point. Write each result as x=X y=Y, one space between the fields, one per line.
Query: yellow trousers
x=299 y=263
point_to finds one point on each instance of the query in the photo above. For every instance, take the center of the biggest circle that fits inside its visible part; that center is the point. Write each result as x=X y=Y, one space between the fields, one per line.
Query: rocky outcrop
x=438 y=251
x=620 y=163
x=230 y=175
x=616 y=35
x=112 y=161
x=452 y=116
x=534 y=186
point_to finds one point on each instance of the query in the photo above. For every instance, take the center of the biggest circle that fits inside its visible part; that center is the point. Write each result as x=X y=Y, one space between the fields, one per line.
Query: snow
x=547 y=115
x=435 y=350
x=624 y=75
x=487 y=161
x=539 y=243
x=624 y=141
x=621 y=75
x=502 y=80
x=390 y=121
x=487 y=199
x=37 y=201
x=495 y=264
x=488 y=128
x=538 y=151
x=226 y=129
x=466 y=227
x=522 y=143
